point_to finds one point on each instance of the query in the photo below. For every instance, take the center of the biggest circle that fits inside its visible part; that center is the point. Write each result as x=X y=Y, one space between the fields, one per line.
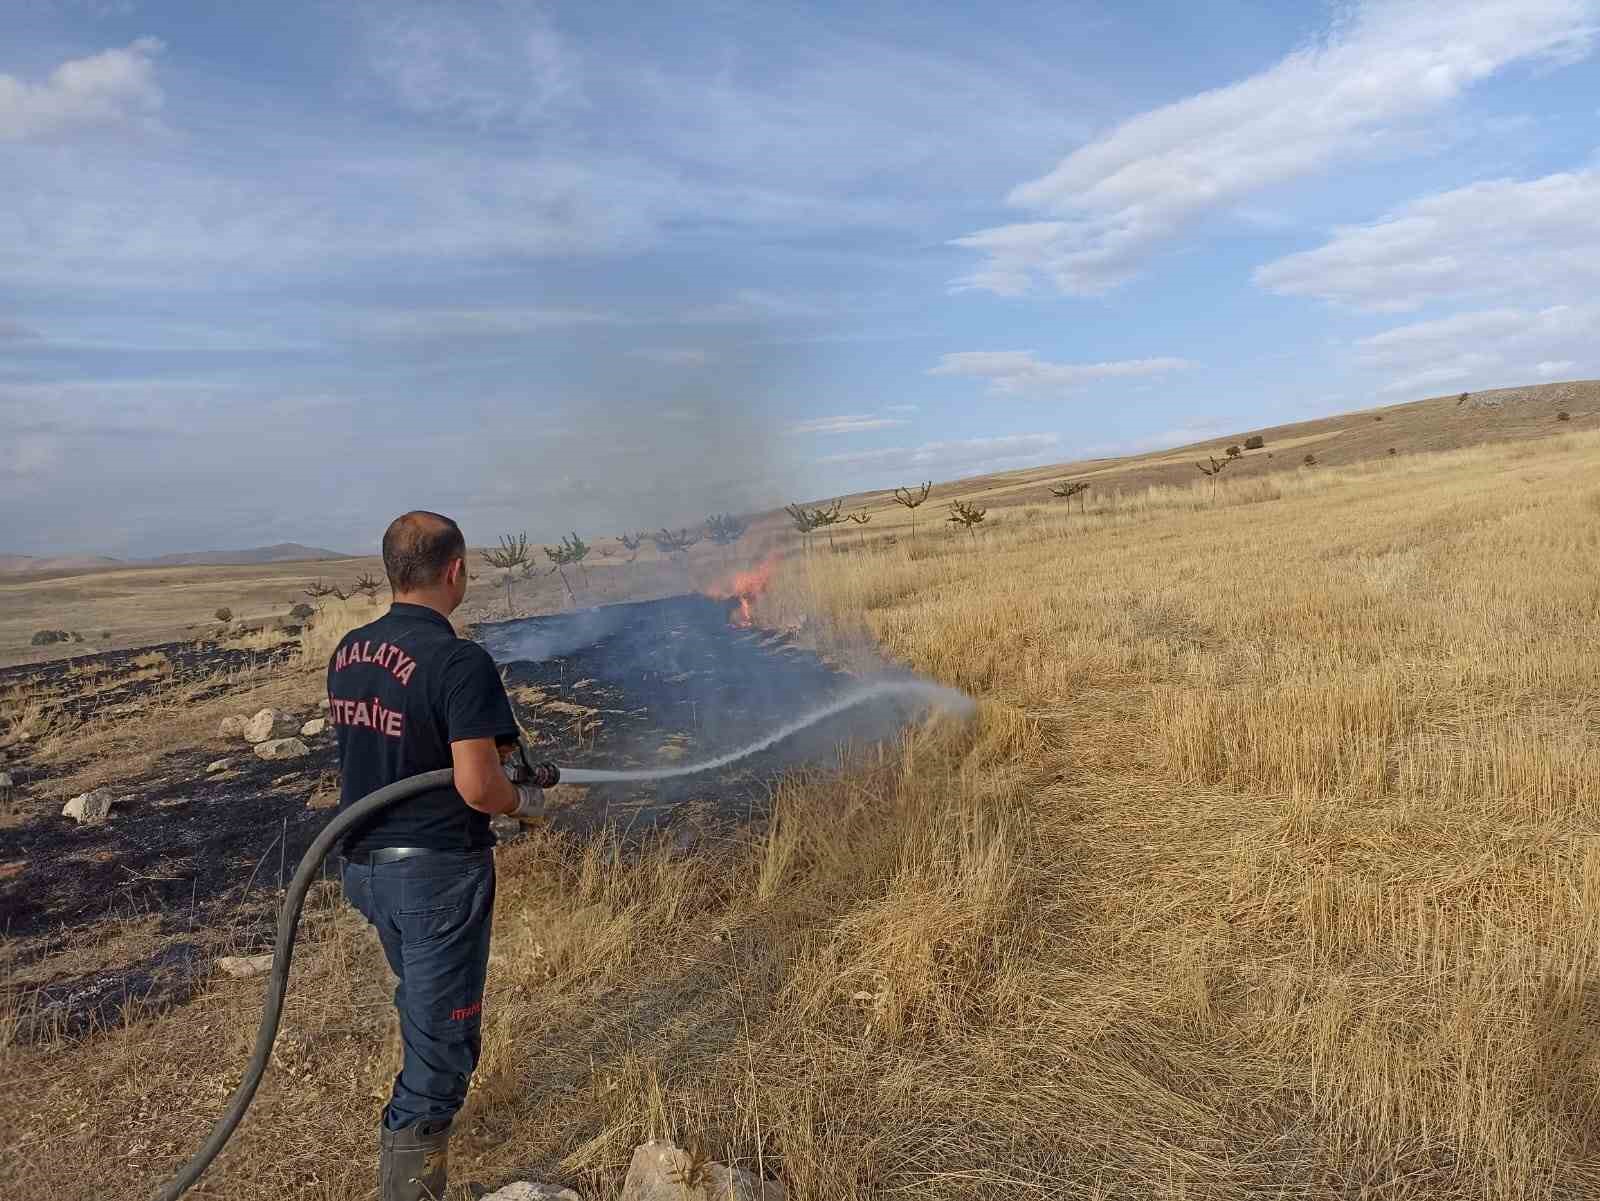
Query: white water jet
x=935 y=696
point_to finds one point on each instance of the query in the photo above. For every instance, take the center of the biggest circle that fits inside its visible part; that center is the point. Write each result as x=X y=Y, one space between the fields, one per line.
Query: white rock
x=313 y=727
x=527 y=1190
x=242 y=966
x=232 y=727
x=282 y=748
x=216 y=765
x=324 y=704
x=90 y=806
x=723 y=1183
x=660 y=1172
x=7 y=787
x=270 y=723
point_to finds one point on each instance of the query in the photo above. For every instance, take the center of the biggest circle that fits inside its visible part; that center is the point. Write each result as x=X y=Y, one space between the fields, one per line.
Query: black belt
x=389 y=855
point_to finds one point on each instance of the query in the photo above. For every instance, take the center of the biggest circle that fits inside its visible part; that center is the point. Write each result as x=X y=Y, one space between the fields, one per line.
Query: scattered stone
x=216 y=765
x=270 y=723
x=723 y=1183
x=527 y=1190
x=232 y=727
x=282 y=748
x=89 y=806
x=242 y=967
x=661 y=1172
x=324 y=705
x=314 y=727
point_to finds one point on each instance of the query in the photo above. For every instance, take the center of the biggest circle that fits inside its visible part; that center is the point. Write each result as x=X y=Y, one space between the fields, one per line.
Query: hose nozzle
x=520 y=769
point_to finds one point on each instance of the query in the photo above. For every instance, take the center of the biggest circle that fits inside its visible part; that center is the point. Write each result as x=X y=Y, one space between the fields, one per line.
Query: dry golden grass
x=1268 y=869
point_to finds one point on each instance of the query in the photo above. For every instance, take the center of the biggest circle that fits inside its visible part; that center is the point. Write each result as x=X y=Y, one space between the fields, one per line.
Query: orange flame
x=744 y=587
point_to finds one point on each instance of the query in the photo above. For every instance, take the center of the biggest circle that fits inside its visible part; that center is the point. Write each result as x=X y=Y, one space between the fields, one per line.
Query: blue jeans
x=433 y=915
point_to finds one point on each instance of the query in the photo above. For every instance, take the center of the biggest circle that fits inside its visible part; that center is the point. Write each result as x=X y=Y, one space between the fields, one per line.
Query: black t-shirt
x=400 y=691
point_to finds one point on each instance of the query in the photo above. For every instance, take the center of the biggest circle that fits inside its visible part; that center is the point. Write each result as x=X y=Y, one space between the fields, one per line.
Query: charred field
x=189 y=865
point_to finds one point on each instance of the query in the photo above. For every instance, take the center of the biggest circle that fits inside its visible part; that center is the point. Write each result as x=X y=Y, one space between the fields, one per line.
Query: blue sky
x=278 y=271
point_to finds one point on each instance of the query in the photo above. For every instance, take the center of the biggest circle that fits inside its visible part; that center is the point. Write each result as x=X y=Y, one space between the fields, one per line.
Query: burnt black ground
x=633 y=685
x=671 y=682
x=122 y=685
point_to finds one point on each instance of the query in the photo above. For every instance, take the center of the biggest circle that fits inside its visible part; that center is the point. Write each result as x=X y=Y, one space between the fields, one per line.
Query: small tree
x=1067 y=489
x=1462 y=399
x=801 y=516
x=367 y=585
x=224 y=615
x=1254 y=442
x=302 y=612
x=725 y=529
x=631 y=543
x=1393 y=451
x=860 y=517
x=511 y=554
x=913 y=501
x=676 y=542
x=1234 y=452
x=1563 y=416
x=826 y=519
x=806 y=521
x=319 y=591
x=572 y=551
x=577 y=552
x=1310 y=460
x=969 y=517
x=1212 y=469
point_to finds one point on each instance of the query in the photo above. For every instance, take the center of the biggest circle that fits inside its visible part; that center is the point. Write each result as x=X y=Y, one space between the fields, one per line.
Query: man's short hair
x=417 y=548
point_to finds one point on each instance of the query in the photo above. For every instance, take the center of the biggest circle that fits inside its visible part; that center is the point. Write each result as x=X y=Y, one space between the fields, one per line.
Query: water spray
x=934 y=696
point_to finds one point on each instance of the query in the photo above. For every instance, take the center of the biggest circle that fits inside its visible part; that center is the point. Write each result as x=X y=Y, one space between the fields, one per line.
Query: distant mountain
x=29 y=564
x=282 y=552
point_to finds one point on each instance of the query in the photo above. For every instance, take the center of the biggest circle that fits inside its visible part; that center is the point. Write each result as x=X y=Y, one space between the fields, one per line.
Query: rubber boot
x=413 y=1163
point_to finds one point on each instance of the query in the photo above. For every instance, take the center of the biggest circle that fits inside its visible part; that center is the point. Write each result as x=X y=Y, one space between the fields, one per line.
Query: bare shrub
x=510 y=557
x=912 y=501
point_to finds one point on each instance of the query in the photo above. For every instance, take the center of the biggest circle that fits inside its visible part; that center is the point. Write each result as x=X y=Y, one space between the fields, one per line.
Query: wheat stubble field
x=1270 y=868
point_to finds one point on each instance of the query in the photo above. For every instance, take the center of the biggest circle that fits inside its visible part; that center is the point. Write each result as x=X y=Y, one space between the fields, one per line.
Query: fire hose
x=311 y=864
x=282 y=955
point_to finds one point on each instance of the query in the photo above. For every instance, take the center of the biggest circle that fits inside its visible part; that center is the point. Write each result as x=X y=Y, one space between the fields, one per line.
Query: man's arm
x=480 y=777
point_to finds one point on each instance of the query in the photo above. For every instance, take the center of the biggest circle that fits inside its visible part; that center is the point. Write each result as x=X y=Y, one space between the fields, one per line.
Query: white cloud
x=111 y=88
x=468 y=323
x=1111 y=202
x=1495 y=346
x=854 y=424
x=474 y=64
x=1530 y=237
x=1021 y=372
x=672 y=356
x=752 y=305
x=968 y=453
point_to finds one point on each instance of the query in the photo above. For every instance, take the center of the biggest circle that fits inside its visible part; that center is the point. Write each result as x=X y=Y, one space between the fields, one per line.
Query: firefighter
x=407 y=696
